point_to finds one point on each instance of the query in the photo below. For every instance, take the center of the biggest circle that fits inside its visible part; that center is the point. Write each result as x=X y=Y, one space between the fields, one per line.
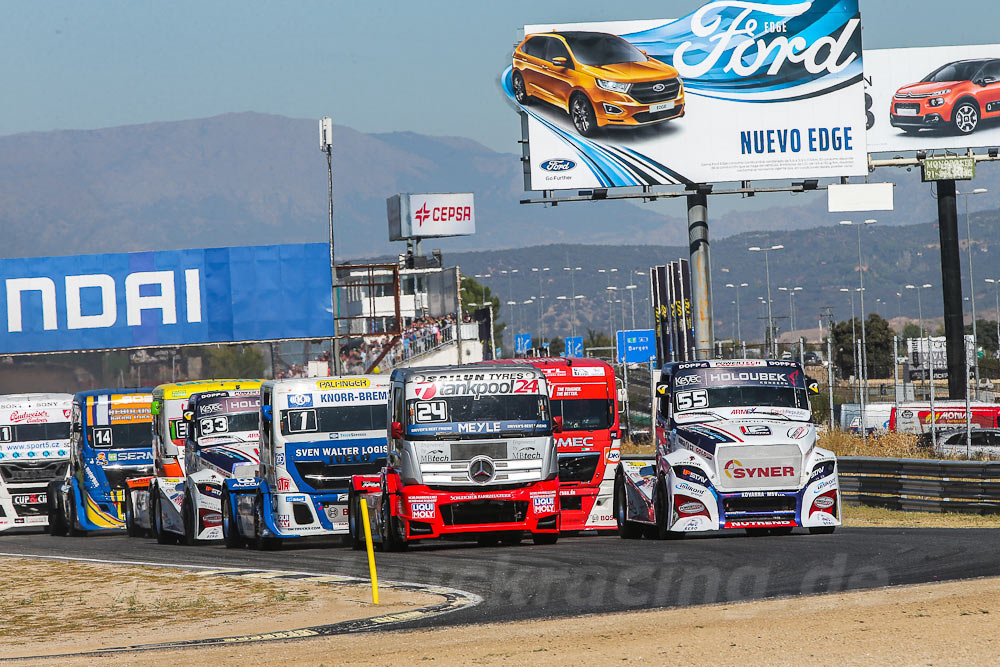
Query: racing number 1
x=687 y=400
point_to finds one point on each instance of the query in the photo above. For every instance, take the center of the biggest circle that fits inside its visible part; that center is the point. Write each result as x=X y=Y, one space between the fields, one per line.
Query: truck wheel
x=156 y=520
x=822 y=530
x=627 y=530
x=71 y=519
x=230 y=528
x=544 y=538
x=190 y=522
x=260 y=542
x=391 y=530
x=355 y=528
x=662 y=507
x=57 y=520
x=131 y=527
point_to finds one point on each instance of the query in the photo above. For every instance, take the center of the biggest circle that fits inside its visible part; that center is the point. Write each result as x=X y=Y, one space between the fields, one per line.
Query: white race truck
x=34 y=450
x=735 y=448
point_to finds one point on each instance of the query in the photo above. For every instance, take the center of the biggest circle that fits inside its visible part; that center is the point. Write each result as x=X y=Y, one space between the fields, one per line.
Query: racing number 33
x=696 y=398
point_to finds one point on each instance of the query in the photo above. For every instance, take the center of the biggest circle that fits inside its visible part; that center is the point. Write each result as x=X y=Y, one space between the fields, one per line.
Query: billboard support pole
x=335 y=301
x=701 y=275
x=951 y=284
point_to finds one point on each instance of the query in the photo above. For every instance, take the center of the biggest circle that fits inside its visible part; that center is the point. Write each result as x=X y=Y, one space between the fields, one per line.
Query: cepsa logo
x=442 y=214
x=734 y=470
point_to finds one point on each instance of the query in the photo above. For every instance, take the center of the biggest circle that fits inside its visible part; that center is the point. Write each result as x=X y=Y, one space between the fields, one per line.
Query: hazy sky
x=428 y=66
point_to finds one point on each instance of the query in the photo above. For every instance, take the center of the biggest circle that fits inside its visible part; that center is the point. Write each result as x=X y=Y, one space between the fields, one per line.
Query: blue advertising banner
x=169 y=297
x=637 y=346
x=574 y=346
x=522 y=343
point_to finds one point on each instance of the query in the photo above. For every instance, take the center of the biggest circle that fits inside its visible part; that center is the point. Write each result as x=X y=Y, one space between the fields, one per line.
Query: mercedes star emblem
x=482 y=470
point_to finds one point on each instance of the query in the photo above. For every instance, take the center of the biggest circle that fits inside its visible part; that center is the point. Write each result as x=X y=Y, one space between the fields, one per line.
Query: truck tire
x=544 y=538
x=662 y=508
x=57 y=520
x=260 y=542
x=230 y=527
x=356 y=530
x=70 y=515
x=156 y=520
x=391 y=533
x=190 y=537
x=627 y=530
x=132 y=529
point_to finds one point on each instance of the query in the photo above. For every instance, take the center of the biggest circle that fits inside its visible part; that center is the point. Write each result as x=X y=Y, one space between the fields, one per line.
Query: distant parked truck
x=34 y=450
x=320 y=438
x=111 y=443
x=154 y=504
x=915 y=416
x=471 y=454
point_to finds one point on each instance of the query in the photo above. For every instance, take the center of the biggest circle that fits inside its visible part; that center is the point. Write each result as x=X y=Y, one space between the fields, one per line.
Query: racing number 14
x=696 y=398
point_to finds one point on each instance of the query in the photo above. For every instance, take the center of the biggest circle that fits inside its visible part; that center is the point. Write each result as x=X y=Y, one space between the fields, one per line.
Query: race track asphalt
x=593 y=574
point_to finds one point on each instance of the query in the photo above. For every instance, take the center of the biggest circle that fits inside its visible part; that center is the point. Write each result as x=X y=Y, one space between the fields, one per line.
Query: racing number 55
x=687 y=400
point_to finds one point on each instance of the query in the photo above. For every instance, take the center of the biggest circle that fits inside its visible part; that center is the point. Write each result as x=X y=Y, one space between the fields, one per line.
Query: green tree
x=911 y=330
x=598 y=339
x=234 y=361
x=556 y=347
x=878 y=347
x=986 y=334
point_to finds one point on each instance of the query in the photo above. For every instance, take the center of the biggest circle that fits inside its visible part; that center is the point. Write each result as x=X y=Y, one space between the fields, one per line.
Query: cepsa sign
x=414 y=216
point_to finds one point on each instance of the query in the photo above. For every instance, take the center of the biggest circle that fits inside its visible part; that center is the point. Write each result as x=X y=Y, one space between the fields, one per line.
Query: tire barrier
x=921 y=485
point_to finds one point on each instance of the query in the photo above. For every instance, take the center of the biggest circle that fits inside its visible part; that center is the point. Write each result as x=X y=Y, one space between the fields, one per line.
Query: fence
x=919 y=485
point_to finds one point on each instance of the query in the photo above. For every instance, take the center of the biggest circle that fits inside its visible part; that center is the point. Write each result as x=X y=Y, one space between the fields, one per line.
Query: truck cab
x=735 y=448
x=154 y=504
x=110 y=444
x=34 y=450
x=318 y=438
x=583 y=393
x=223 y=431
x=471 y=454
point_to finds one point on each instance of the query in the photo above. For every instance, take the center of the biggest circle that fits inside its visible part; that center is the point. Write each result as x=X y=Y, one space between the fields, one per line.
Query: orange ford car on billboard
x=598 y=78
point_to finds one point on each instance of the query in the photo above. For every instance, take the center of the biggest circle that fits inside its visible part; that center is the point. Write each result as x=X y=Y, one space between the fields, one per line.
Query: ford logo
x=558 y=165
x=659 y=88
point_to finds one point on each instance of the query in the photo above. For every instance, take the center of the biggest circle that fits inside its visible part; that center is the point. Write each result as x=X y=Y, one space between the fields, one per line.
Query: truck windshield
x=343 y=418
x=731 y=397
x=35 y=432
x=120 y=436
x=583 y=414
x=753 y=386
x=467 y=415
x=222 y=424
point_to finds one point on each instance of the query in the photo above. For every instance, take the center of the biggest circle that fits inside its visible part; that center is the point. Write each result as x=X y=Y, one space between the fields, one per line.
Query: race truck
x=318 y=437
x=154 y=502
x=34 y=450
x=584 y=393
x=223 y=431
x=471 y=454
x=110 y=443
x=735 y=448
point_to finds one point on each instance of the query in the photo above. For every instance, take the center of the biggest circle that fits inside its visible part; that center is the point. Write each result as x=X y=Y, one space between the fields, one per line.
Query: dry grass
x=877 y=517
x=890 y=445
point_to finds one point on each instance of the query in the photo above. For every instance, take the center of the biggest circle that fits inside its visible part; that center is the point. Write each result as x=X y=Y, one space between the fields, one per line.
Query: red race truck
x=584 y=393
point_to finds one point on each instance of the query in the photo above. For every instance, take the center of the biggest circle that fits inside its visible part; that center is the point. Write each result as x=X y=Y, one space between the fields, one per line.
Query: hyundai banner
x=736 y=90
x=932 y=98
x=170 y=297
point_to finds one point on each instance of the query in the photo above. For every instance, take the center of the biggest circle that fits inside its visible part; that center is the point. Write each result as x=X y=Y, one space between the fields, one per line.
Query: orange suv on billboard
x=598 y=78
x=957 y=96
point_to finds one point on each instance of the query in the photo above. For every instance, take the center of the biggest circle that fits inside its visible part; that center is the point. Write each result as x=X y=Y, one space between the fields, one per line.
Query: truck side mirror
x=188 y=415
x=557 y=424
x=397 y=430
x=267 y=412
x=661 y=388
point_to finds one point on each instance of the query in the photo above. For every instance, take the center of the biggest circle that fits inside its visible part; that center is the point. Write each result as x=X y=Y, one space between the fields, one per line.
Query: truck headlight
x=613 y=86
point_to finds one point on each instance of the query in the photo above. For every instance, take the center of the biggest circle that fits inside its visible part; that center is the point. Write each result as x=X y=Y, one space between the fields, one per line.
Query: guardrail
x=921 y=485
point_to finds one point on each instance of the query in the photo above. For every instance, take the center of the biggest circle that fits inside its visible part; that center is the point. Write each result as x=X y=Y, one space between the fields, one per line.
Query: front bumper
x=620 y=109
x=429 y=513
x=920 y=114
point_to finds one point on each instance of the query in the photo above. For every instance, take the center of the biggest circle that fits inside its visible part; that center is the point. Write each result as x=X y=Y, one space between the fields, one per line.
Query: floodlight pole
x=326 y=145
x=701 y=272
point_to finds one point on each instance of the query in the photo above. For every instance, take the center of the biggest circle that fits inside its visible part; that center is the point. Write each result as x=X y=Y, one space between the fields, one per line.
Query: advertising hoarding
x=932 y=98
x=931 y=352
x=413 y=216
x=733 y=91
x=169 y=297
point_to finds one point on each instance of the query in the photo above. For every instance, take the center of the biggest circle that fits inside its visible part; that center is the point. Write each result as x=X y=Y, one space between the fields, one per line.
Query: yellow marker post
x=371 y=549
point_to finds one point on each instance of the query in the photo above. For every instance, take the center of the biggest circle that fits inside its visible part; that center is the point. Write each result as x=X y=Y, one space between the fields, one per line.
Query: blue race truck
x=110 y=443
